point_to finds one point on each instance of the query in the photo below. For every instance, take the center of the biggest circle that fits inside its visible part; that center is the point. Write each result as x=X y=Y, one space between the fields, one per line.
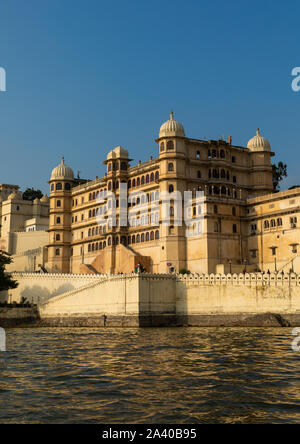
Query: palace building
x=243 y=223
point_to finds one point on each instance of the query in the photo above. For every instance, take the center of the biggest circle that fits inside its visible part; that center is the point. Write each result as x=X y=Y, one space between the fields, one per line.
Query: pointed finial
x=257 y=132
x=63 y=160
x=171 y=115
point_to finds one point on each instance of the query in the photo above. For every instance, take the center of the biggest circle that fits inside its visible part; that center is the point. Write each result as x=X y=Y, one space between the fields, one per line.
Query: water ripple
x=196 y=375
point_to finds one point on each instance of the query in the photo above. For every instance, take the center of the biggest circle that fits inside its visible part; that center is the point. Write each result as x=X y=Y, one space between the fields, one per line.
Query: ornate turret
x=59 y=248
x=261 y=171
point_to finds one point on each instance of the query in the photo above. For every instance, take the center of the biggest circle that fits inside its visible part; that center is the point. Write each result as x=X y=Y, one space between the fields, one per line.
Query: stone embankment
x=161 y=300
x=12 y=316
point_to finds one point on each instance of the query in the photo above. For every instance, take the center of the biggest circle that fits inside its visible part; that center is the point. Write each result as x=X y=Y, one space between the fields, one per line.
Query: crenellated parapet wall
x=252 y=279
x=159 y=299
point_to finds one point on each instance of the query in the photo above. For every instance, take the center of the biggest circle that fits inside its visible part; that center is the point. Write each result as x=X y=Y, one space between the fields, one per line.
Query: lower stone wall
x=12 y=317
x=150 y=300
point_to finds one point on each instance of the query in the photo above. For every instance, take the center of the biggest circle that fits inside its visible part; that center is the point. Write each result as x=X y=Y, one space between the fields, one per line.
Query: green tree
x=31 y=194
x=279 y=172
x=6 y=281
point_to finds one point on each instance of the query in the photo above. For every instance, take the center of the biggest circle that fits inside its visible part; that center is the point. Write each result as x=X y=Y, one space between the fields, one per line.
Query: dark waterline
x=183 y=375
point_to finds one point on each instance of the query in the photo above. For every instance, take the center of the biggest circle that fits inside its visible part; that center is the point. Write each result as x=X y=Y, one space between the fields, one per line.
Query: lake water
x=179 y=375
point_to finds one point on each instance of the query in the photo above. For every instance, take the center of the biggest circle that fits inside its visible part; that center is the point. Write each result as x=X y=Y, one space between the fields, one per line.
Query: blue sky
x=86 y=76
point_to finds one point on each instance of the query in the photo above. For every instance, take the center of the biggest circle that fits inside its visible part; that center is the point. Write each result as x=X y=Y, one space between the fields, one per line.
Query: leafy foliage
x=6 y=281
x=279 y=172
x=31 y=194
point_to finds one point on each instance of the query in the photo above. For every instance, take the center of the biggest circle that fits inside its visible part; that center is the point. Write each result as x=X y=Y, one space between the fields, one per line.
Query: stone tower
x=172 y=156
x=261 y=180
x=60 y=238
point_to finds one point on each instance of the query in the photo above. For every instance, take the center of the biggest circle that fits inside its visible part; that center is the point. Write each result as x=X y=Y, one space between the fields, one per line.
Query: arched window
x=156 y=234
x=109 y=241
x=223 y=174
x=279 y=222
x=223 y=191
x=142 y=180
x=133 y=239
x=152 y=235
x=147 y=178
x=133 y=183
x=57 y=252
x=273 y=223
x=142 y=237
x=222 y=154
x=58 y=186
x=138 y=182
x=58 y=237
x=147 y=237
x=170 y=167
x=171 y=188
x=109 y=166
x=156 y=175
x=234 y=179
x=89 y=248
x=129 y=184
x=90 y=196
x=58 y=203
x=52 y=187
x=152 y=177
x=198 y=155
x=58 y=221
x=216 y=174
x=104 y=244
x=162 y=146
x=94 y=195
x=170 y=145
x=199 y=174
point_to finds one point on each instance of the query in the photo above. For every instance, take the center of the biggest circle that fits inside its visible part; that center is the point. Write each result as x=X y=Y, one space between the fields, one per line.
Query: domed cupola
x=171 y=128
x=62 y=172
x=45 y=199
x=259 y=143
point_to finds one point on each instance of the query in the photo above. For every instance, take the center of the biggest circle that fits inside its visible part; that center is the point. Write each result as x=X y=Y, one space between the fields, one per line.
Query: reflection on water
x=183 y=375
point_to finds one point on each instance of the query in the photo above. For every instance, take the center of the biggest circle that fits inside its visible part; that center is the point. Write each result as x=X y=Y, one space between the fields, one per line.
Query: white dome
x=259 y=143
x=171 y=128
x=15 y=195
x=45 y=199
x=62 y=172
